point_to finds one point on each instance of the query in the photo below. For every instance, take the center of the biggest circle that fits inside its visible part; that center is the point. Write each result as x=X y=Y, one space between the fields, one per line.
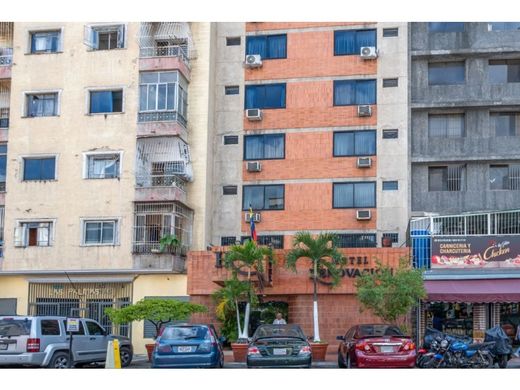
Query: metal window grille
x=231 y=140
x=274 y=240
x=390 y=133
x=155 y=220
x=171 y=39
x=514 y=177
x=228 y=240
x=5 y=95
x=393 y=236
x=6 y=43
x=2 y=218
x=357 y=240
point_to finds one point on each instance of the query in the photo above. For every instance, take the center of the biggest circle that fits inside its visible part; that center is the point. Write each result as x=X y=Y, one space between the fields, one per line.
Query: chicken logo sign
x=476 y=252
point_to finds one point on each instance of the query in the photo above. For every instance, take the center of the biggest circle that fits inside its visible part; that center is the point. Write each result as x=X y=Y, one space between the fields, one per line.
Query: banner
x=476 y=251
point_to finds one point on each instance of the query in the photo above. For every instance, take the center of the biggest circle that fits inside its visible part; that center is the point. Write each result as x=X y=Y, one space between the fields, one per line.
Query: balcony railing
x=6 y=60
x=161 y=116
x=165 y=51
x=4 y=123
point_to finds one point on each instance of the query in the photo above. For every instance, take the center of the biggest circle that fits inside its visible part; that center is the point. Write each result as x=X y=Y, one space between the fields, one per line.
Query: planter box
x=239 y=351
x=319 y=351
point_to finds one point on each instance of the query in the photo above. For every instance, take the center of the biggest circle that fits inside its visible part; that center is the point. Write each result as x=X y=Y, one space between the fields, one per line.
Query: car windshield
x=378 y=330
x=14 y=327
x=184 y=332
x=264 y=331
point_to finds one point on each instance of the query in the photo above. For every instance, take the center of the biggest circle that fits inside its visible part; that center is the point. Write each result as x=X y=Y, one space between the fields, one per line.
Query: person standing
x=279 y=319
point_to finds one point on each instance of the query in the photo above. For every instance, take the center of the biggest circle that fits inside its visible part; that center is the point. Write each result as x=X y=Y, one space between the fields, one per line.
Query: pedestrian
x=279 y=319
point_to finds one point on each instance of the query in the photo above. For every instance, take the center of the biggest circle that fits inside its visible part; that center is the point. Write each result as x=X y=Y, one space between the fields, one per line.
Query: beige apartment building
x=104 y=132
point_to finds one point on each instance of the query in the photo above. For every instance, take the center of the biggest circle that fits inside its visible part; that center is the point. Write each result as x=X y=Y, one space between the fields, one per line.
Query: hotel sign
x=476 y=251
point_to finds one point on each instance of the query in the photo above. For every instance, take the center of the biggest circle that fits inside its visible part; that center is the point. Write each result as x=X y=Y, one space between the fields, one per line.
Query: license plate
x=387 y=349
x=3 y=347
x=184 y=349
x=279 y=351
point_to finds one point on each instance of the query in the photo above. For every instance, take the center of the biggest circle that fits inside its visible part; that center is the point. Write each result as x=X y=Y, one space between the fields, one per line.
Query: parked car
x=188 y=345
x=279 y=346
x=44 y=342
x=375 y=346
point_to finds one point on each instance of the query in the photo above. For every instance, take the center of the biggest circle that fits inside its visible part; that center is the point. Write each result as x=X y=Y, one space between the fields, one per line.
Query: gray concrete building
x=465 y=117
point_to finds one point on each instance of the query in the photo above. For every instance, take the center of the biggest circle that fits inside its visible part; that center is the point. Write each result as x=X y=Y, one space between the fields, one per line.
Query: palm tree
x=323 y=254
x=247 y=258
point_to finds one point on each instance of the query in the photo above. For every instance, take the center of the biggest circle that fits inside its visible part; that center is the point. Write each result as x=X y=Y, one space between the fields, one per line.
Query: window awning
x=474 y=291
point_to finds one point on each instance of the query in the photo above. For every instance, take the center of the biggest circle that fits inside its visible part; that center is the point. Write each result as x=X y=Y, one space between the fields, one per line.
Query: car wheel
x=348 y=363
x=126 y=356
x=341 y=362
x=59 y=360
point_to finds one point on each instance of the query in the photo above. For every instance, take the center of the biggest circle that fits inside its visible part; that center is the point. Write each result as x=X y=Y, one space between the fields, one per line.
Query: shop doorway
x=453 y=318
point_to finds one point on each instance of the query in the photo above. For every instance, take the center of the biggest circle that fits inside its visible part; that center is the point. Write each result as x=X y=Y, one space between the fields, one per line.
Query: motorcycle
x=474 y=355
x=502 y=350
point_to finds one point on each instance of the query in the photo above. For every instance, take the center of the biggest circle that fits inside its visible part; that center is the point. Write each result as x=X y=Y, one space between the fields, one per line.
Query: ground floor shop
x=89 y=296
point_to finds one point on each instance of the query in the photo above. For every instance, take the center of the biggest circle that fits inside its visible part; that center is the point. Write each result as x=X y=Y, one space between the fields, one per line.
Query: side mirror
x=341 y=338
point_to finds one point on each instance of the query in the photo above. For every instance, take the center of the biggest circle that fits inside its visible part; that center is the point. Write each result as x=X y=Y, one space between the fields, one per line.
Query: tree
x=228 y=298
x=324 y=256
x=247 y=258
x=158 y=311
x=390 y=294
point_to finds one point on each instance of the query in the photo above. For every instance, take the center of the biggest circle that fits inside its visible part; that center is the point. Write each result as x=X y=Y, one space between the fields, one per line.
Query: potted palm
x=324 y=257
x=158 y=311
x=248 y=260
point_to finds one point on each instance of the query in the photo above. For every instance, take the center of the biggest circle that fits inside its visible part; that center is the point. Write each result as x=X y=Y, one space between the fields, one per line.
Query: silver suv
x=43 y=341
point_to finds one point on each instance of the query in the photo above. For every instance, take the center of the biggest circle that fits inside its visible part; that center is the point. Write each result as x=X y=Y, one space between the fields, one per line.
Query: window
x=446 y=27
x=163 y=92
x=94 y=329
x=103 y=166
x=390 y=133
x=351 y=92
x=504 y=71
x=45 y=104
x=232 y=90
x=503 y=26
x=354 y=195
x=264 y=147
x=227 y=241
x=446 y=73
x=506 y=124
x=265 y=96
x=275 y=241
x=229 y=190
x=504 y=177
x=394 y=237
x=446 y=178
x=266 y=197
x=3 y=165
x=446 y=126
x=231 y=140
x=269 y=47
x=33 y=234
x=99 y=232
x=354 y=143
x=347 y=42
x=357 y=240
x=39 y=168
x=390 y=32
x=390 y=185
x=105 y=37
x=106 y=101
x=50 y=327
x=45 y=41
x=232 y=41
x=390 y=83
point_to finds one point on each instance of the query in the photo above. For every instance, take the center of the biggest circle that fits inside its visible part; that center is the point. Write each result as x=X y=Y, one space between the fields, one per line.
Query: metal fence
x=165 y=51
x=422 y=229
x=161 y=116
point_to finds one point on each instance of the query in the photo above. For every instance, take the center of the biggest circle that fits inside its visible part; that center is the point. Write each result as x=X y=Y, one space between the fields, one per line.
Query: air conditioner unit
x=254 y=166
x=253 y=61
x=363 y=215
x=364 y=162
x=254 y=114
x=256 y=217
x=364 y=110
x=368 y=53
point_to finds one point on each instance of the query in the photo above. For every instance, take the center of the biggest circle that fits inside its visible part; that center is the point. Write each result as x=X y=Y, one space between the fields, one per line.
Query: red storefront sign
x=476 y=251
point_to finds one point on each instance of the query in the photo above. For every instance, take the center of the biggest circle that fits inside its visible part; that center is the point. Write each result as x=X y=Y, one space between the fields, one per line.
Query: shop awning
x=473 y=291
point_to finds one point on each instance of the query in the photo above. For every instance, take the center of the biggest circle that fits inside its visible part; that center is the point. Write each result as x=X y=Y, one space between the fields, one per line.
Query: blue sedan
x=188 y=345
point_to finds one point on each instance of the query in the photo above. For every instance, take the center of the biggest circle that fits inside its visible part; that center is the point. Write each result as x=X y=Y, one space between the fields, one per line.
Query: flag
x=252 y=224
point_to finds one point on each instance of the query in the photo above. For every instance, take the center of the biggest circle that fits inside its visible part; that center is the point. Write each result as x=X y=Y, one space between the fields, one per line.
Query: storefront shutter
x=7 y=306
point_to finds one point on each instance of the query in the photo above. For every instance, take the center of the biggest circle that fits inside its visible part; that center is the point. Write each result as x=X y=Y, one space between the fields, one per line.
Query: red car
x=376 y=346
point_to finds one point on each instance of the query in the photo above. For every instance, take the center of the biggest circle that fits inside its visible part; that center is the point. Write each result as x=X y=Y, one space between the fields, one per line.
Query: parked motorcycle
x=502 y=350
x=474 y=355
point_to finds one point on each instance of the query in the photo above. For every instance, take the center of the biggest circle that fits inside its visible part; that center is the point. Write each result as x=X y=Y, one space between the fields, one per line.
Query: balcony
x=163 y=168
x=165 y=46
x=6 y=49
